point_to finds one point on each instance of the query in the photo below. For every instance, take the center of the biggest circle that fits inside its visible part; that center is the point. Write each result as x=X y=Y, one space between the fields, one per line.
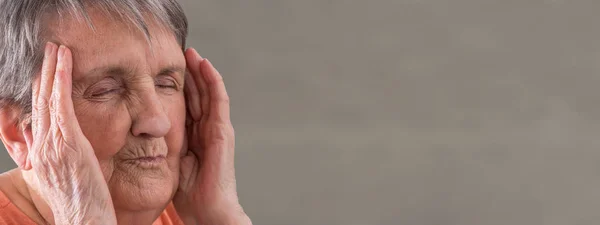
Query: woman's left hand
x=207 y=187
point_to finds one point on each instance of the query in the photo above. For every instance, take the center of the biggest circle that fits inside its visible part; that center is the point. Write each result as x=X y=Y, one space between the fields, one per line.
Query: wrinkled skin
x=120 y=128
x=66 y=171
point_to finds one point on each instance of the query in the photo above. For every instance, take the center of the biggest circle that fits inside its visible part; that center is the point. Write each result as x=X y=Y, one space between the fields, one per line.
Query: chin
x=143 y=185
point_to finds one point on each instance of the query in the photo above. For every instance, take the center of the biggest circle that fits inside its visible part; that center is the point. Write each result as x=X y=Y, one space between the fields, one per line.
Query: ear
x=14 y=136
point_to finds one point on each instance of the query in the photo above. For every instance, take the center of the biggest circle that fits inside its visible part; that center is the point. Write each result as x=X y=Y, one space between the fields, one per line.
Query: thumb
x=188 y=168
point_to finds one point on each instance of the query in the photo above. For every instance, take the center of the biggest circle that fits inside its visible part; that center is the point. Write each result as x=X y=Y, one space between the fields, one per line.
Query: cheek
x=106 y=127
x=175 y=108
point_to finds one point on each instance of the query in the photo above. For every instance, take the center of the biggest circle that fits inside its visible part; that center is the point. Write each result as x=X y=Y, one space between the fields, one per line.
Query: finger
x=193 y=61
x=219 y=109
x=41 y=90
x=192 y=97
x=64 y=117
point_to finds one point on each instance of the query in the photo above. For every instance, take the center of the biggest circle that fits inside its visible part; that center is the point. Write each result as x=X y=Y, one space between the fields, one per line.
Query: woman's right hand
x=67 y=172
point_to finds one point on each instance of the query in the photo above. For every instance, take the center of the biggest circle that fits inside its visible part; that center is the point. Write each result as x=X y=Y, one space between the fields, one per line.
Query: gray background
x=418 y=112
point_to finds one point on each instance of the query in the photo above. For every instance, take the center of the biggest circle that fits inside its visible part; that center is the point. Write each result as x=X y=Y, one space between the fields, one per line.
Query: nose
x=150 y=119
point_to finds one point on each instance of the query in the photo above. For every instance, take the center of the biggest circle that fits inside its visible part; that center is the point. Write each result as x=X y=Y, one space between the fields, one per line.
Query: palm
x=204 y=179
x=207 y=179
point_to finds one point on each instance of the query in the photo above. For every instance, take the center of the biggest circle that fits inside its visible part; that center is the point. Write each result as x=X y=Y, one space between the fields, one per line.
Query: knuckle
x=52 y=107
x=60 y=70
x=221 y=131
x=224 y=99
x=61 y=120
x=41 y=105
x=219 y=134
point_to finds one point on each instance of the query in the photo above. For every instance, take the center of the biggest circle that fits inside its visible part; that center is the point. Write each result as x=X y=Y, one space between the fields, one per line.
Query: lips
x=144 y=154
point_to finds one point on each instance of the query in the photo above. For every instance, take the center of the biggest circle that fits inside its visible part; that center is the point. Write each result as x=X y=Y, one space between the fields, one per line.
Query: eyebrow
x=119 y=71
x=180 y=71
x=173 y=69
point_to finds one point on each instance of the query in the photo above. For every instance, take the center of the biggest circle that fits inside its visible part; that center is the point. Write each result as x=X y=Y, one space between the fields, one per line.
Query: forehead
x=115 y=42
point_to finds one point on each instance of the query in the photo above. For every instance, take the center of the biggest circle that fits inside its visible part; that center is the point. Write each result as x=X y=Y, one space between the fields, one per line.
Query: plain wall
x=478 y=112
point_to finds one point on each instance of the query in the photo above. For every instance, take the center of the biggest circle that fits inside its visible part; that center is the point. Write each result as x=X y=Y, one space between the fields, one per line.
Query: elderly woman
x=108 y=118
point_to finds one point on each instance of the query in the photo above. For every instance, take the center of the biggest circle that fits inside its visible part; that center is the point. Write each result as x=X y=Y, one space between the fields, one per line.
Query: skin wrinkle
x=108 y=124
x=144 y=118
x=29 y=30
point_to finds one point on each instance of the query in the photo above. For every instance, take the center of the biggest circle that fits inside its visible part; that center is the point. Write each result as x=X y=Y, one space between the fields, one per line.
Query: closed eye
x=166 y=86
x=102 y=93
x=170 y=78
x=166 y=82
x=104 y=89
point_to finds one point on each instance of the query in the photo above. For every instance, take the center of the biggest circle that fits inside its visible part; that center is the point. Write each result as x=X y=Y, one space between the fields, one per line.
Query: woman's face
x=129 y=101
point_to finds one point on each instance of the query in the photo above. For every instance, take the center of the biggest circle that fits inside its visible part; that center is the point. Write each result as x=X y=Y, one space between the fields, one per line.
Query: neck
x=145 y=217
x=20 y=195
x=41 y=213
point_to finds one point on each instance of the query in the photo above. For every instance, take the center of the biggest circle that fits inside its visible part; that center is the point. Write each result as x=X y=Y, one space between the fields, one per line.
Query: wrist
x=225 y=215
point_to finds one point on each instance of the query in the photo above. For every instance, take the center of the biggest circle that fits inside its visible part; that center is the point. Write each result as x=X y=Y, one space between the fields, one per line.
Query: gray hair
x=22 y=35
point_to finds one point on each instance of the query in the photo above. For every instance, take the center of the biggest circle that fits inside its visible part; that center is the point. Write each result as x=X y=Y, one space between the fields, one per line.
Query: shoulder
x=9 y=181
x=10 y=214
x=169 y=217
x=4 y=201
x=6 y=189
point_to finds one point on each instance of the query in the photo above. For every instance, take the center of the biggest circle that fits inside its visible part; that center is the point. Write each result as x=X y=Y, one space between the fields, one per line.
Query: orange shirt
x=11 y=215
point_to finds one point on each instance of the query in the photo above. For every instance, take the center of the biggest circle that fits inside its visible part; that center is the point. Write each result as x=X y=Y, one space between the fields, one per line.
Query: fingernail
x=61 y=53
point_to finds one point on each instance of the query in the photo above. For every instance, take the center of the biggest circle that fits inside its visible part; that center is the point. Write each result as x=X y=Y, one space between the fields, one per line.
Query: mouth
x=147 y=162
